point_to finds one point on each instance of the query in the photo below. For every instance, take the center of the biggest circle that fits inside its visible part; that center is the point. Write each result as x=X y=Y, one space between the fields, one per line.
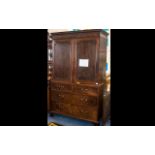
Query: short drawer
x=61 y=87
x=85 y=89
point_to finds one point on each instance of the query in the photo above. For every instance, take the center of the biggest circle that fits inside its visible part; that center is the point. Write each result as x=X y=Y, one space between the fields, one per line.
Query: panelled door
x=85 y=60
x=62 y=68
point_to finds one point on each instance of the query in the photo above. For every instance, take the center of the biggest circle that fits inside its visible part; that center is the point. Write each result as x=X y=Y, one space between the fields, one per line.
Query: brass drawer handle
x=82 y=89
x=61 y=96
x=60 y=87
x=84 y=99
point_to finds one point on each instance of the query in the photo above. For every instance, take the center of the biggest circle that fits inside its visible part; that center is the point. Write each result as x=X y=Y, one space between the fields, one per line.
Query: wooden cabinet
x=78 y=69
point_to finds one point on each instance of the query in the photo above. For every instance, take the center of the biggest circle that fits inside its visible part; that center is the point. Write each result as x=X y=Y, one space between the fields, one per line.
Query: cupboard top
x=76 y=34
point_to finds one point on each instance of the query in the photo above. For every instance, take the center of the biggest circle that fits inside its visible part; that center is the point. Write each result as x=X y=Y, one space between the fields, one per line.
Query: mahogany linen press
x=78 y=74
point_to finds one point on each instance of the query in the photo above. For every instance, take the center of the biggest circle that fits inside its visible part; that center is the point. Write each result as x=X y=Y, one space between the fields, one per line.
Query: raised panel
x=62 y=60
x=86 y=60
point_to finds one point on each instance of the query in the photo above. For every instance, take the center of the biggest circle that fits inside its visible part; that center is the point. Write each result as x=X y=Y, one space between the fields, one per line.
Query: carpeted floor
x=60 y=120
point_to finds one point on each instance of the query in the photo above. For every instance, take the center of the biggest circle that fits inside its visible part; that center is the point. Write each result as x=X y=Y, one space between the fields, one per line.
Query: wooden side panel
x=102 y=59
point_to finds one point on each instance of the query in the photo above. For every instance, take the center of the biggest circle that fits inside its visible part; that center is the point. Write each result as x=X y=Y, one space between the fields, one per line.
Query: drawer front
x=58 y=100
x=85 y=89
x=79 y=106
x=61 y=87
x=84 y=100
x=81 y=112
x=60 y=97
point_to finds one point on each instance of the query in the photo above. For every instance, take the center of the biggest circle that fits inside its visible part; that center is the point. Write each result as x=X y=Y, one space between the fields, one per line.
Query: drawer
x=79 y=106
x=85 y=89
x=81 y=112
x=60 y=101
x=84 y=100
x=60 y=97
x=61 y=87
x=81 y=100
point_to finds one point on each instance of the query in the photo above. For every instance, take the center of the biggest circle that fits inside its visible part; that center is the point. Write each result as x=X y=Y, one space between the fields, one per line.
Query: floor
x=68 y=121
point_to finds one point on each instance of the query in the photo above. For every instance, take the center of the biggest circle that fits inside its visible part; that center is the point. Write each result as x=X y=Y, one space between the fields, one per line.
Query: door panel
x=62 y=60
x=86 y=60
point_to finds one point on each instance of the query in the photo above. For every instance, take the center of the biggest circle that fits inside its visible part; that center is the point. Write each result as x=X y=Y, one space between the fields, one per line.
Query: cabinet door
x=62 y=61
x=86 y=51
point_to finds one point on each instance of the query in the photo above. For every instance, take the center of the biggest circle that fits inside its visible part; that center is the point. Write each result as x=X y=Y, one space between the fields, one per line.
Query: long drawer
x=76 y=99
x=80 y=106
x=82 y=89
x=83 y=112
